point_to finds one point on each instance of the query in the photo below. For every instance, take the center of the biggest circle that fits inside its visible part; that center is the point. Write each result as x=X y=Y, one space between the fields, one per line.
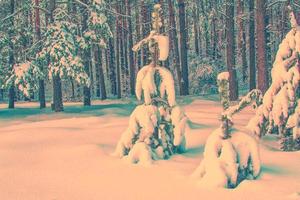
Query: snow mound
x=228 y=161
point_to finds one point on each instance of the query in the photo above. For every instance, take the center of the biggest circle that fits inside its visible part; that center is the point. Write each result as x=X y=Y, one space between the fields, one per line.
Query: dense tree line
x=97 y=36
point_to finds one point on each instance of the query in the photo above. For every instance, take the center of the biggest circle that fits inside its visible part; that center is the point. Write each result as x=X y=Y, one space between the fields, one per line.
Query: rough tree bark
x=38 y=38
x=174 y=44
x=262 y=71
x=242 y=39
x=112 y=66
x=196 y=33
x=230 y=50
x=117 y=54
x=183 y=48
x=57 y=105
x=130 y=45
x=99 y=66
x=86 y=58
x=11 y=61
x=252 y=62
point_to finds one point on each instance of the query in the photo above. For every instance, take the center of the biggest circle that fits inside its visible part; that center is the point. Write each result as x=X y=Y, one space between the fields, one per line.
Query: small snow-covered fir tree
x=280 y=100
x=156 y=128
x=230 y=156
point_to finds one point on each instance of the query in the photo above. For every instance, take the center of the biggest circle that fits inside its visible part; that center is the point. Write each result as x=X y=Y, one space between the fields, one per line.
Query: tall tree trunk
x=138 y=59
x=124 y=52
x=196 y=34
x=205 y=28
x=38 y=38
x=57 y=105
x=11 y=91
x=99 y=66
x=72 y=90
x=262 y=75
x=1 y=94
x=183 y=48
x=117 y=52
x=174 y=44
x=112 y=66
x=242 y=38
x=230 y=50
x=214 y=35
x=86 y=58
x=130 y=45
x=199 y=30
x=252 y=62
x=145 y=31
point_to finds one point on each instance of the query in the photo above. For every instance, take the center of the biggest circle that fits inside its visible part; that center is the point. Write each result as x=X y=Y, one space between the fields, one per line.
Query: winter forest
x=149 y=99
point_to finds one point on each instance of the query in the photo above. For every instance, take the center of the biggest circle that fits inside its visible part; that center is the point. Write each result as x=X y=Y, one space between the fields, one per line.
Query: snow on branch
x=253 y=96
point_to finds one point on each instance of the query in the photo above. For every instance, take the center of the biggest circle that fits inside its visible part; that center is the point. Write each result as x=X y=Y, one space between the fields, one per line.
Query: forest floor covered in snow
x=67 y=156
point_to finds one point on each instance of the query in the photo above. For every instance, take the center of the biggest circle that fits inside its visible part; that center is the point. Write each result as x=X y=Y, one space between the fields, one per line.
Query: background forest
x=78 y=50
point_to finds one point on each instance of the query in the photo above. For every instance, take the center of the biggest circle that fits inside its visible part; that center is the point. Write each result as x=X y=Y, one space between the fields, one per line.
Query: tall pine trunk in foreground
x=11 y=91
x=252 y=63
x=262 y=71
x=86 y=59
x=57 y=105
x=230 y=50
x=183 y=48
x=38 y=38
x=174 y=44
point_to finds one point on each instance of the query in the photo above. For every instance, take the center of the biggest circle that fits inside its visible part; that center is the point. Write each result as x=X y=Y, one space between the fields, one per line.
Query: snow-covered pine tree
x=280 y=100
x=59 y=53
x=95 y=31
x=230 y=156
x=25 y=77
x=156 y=128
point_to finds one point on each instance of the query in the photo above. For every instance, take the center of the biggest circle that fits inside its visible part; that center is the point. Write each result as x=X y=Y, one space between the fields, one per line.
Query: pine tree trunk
x=145 y=31
x=138 y=36
x=183 y=48
x=230 y=50
x=1 y=94
x=242 y=38
x=38 y=38
x=124 y=53
x=206 y=37
x=72 y=89
x=196 y=34
x=130 y=45
x=112 y=66
x=99 y=66
x=86 y=59
x=252 y=62
x=262 y=73
x=11 y=90
x=174 y=44
x=199 y=30
x=57 y=104
x=214 y=37
x=117 y=52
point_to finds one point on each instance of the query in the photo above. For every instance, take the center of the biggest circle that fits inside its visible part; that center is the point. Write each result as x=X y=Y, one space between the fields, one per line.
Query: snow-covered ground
x=66 y=156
